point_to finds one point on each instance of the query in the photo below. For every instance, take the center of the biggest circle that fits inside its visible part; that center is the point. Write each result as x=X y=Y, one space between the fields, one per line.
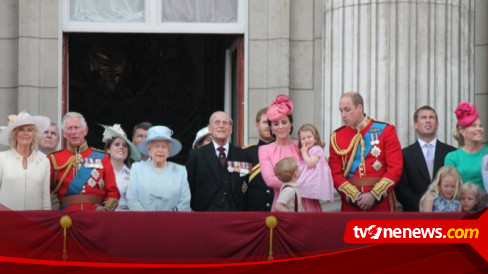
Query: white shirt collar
x=422 y=142
x=226 y=146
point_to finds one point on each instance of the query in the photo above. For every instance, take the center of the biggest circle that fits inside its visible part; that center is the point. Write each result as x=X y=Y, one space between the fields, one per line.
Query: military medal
x=374 y=139
x=377 y=165
x=239 y=167
x=101 y=183
x=93 y=163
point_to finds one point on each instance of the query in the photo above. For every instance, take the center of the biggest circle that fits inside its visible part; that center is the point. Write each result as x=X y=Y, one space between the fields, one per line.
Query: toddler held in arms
x=315 y=180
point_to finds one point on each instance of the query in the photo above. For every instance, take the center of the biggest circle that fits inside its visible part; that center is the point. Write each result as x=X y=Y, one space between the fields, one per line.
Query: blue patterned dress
x=443 y=205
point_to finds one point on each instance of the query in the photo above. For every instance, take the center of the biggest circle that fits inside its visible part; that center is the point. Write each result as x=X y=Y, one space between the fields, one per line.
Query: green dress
x=468 y=165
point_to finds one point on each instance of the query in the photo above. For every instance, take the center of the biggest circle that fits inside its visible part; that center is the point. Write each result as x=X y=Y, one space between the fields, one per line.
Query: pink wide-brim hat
x=280 y=108
x=466 y=114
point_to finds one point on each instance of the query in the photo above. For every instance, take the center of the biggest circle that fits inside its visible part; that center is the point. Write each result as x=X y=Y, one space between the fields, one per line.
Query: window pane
x=106 y=10
x=200 y=11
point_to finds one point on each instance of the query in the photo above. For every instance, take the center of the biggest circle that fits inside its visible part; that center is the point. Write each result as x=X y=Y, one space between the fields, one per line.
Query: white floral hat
x=117 y=131
x=22 y=119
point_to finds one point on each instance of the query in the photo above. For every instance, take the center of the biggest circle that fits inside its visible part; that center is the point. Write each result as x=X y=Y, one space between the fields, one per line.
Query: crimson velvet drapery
x=176 y=237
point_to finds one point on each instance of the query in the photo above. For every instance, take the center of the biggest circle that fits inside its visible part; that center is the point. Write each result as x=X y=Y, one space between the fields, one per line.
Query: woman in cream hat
x=469 y=134
x=24 y=174
x=120 y=148
x=157 y=184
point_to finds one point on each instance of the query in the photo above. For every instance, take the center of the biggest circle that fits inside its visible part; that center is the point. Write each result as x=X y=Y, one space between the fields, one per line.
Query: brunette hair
x=315 y=133
x=290 y=117
x=108 y=144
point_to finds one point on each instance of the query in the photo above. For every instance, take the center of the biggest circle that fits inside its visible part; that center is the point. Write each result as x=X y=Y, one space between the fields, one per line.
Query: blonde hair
x=285 y=169
x=315 y=133
x=478 y=193
x=12 y=140
x=458 y=136
x=435 y=187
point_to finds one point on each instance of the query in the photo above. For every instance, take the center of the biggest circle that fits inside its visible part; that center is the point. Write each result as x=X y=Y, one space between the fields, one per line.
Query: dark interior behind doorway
x=174 y=80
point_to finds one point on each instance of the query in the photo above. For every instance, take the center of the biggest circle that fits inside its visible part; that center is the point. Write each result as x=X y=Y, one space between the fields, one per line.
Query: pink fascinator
x=280 y=108
x=466 y=114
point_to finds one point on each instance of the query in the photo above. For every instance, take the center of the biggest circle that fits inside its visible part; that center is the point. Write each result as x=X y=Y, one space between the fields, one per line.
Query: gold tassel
x=65 y=223
x=271 y=222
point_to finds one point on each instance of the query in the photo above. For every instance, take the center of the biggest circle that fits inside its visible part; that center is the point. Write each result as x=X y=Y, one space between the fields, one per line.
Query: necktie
x=222 y=157
x=429 y=158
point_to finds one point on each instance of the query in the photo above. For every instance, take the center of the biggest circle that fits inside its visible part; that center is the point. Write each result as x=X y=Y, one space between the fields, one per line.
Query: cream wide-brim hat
x=22 y=119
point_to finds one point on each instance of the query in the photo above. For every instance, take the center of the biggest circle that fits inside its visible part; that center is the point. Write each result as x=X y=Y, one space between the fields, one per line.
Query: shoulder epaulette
x=383 y=122
x=337 y=129
x=99 y=150
x=56 y=151
x=248 y=146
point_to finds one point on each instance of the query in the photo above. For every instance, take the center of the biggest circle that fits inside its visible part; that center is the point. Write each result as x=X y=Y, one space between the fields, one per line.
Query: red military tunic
x=100 y=189
x=379 y=170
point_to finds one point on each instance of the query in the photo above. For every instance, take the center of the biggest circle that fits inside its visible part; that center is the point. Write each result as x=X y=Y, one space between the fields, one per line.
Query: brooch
x=92 y=183
x=95 y=174
x=377 y=165
x=376 y=151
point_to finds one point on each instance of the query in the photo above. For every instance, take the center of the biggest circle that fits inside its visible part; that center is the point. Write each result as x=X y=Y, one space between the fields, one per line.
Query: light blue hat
x=160 y=133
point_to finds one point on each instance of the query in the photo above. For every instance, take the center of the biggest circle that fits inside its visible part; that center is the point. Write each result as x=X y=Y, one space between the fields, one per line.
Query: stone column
x=38 y=57
x=9 y=35
x=269 y=51
x=399 y=55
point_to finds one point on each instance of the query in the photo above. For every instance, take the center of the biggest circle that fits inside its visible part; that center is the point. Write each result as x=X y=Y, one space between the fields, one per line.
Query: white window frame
x=153 y=22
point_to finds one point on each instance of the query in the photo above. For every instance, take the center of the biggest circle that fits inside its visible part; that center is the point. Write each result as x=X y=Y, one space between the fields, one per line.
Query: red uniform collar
x=81 y=148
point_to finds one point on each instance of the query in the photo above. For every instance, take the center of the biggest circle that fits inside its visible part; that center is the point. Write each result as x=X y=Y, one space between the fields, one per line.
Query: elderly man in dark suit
x=218 y=172
x=421 y=160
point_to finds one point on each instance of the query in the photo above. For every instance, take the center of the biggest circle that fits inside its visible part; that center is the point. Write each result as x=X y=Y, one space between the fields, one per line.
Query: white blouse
x=122 y=179
x=24 y=189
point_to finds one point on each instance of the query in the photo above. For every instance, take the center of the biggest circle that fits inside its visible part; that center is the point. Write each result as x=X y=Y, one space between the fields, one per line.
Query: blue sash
x=83 y=175
x=377 y=128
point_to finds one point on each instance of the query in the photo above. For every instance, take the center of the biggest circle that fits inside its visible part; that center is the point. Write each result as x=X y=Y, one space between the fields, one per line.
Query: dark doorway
x=172 y=79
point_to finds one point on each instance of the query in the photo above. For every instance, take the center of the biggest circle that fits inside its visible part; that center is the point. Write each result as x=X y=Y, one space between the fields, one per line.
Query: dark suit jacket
x=415 y=177
x=205 y=177
x=259 y=195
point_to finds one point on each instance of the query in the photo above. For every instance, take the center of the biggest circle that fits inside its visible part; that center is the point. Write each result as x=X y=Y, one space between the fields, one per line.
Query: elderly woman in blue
x=157 y=184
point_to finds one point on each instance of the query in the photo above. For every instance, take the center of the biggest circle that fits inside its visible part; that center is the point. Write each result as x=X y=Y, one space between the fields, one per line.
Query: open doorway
x=176 y=80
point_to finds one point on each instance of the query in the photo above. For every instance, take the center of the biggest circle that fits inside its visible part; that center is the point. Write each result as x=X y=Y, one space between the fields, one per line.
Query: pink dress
x=316 y=182
x=269 y=155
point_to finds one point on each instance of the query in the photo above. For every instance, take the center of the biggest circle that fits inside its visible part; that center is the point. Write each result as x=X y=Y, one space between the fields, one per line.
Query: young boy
x=289 y=199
